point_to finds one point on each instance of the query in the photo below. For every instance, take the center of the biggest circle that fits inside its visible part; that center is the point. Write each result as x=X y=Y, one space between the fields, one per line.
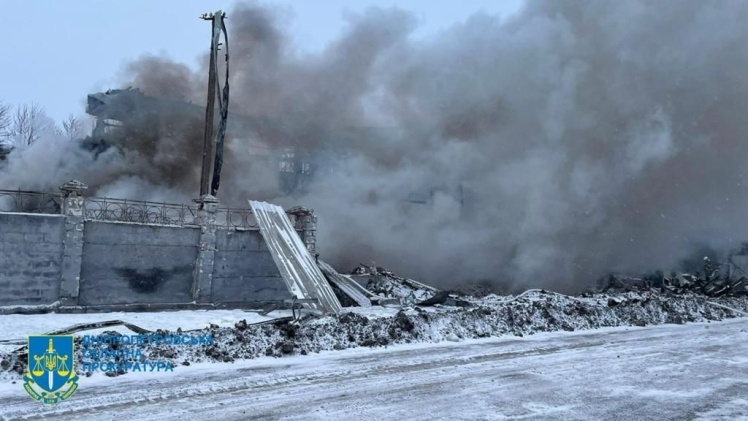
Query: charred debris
x=715 y=279
x=726 y=278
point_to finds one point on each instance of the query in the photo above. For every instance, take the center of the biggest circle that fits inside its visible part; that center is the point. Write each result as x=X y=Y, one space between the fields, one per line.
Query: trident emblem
x=51 y=362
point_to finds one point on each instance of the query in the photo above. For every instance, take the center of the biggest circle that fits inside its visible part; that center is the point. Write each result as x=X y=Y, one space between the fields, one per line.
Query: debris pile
x=384 y=283
x=715 y=280
x=684 y=283
x=493 y=316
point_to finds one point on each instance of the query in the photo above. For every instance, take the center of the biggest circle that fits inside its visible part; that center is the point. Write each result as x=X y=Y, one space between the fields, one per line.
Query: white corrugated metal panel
x=296 y=265
x=347 y=285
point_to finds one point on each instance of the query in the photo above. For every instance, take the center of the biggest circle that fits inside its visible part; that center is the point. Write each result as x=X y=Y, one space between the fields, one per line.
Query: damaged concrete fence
x=73 y=252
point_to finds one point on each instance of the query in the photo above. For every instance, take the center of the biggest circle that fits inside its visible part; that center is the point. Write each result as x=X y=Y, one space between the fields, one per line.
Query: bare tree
x=5 y=111
x=29 y=123
x=72 y=127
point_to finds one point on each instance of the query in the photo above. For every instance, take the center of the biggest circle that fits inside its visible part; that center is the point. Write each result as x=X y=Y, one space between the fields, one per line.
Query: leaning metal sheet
x=347 y=285
x=296 y=265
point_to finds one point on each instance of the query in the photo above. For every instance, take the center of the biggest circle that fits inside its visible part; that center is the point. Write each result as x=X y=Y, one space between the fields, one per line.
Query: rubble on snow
x=493 y=316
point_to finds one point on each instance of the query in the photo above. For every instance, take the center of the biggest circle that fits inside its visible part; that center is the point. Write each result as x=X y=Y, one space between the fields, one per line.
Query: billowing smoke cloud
x=574 y=139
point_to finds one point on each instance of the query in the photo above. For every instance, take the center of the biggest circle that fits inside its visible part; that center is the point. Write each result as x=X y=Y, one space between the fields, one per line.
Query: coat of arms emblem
x=51 y=377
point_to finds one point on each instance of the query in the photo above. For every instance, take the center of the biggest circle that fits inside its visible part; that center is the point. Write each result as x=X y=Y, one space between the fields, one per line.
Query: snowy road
x=695 y=371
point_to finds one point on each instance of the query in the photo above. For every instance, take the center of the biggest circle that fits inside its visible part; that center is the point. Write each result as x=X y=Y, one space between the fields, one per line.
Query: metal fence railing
x=30 y=201
x=124 y=210
x=236 y=218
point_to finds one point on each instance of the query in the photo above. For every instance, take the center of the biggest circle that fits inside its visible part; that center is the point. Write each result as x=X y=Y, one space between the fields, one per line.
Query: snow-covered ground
x=236 y=338
x=16 y=326
x=667 y=372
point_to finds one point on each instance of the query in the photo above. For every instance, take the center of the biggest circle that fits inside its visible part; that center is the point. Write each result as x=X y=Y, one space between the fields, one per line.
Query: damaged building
x=124 y=114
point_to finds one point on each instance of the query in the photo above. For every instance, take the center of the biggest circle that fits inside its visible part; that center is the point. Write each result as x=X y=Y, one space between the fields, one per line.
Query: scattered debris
x=347 y=285
x=424 y=313
x=446 y=298
x=525 y=314
x=384 y=283
x=715 y=280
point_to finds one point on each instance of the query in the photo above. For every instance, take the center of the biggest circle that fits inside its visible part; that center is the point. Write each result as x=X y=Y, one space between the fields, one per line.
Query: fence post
x=202 y=282
x=307 y=221
x=72 y=243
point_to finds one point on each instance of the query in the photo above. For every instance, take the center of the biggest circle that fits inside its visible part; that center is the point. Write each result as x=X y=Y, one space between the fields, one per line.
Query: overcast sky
x=56 y=52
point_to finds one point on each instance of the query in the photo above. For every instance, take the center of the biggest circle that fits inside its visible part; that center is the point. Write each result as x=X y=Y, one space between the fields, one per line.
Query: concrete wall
x=75 y=262
x=243 y=269
x=31 y=247
x=133 y=263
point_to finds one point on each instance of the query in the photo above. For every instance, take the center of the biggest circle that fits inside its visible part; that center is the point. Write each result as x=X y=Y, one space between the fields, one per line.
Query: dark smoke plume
x=574 y=139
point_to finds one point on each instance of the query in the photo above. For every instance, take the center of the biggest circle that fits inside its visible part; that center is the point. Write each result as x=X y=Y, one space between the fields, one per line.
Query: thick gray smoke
x=574 y=139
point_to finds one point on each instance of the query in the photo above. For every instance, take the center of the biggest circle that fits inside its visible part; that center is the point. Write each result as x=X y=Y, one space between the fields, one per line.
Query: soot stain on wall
x=148 y=281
